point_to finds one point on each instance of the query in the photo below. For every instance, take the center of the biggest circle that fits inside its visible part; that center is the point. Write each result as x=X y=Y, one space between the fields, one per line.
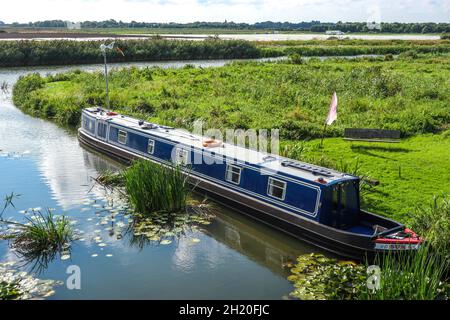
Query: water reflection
x=260 y=243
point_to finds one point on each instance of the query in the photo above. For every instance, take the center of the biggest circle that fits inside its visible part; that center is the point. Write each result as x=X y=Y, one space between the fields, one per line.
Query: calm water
x=269 y=37
x=235 y=258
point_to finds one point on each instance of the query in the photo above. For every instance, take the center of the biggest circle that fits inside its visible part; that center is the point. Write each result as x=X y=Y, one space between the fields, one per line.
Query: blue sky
x=231 y=10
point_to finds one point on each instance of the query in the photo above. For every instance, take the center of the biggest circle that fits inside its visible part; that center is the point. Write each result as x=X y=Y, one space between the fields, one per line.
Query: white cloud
x=219 y=10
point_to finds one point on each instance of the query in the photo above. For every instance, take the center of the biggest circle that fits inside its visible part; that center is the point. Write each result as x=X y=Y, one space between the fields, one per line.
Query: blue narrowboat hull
x=301 y=223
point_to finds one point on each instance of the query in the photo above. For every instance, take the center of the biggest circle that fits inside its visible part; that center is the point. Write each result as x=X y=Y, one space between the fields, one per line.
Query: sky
x=249 y=11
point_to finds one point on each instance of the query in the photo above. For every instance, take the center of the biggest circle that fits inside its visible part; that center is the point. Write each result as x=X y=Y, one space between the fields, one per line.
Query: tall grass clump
x=433 y=222
x=152 y=187
x=418 y=275
x=42 y=233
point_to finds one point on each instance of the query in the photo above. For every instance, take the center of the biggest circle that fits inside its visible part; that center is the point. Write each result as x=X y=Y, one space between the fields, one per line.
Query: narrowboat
x=315 y=204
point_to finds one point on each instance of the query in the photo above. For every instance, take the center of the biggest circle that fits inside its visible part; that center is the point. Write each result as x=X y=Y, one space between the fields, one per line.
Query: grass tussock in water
x=152 y=187
x=43 y=233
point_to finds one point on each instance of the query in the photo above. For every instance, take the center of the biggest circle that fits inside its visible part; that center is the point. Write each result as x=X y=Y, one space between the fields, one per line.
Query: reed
x=42 y=233
x=433 y=221
x=411 y=276
x=152 y=187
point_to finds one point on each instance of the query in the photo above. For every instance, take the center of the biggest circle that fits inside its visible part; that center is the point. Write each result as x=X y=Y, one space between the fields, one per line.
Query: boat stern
x=402 y=240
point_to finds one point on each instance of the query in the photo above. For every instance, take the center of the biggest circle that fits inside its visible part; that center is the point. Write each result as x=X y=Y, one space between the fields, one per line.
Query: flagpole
x=323 y=135
x=106 y=80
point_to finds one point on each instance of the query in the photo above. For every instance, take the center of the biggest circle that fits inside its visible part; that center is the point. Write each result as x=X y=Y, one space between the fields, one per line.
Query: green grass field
x=410 y=172
x=410 y=94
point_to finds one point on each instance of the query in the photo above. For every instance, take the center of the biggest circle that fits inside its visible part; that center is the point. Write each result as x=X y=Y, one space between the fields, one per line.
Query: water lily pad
x=94 y=255
x=165 y=242
x=109 y=255
x=65 y=257
x=195 y=240
x=102 y=244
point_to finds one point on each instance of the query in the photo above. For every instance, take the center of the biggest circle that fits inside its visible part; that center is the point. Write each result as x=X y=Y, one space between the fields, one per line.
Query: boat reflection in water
x=266 y=246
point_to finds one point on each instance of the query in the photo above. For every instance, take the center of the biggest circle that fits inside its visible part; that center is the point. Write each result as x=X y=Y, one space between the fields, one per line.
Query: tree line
x=313 y=26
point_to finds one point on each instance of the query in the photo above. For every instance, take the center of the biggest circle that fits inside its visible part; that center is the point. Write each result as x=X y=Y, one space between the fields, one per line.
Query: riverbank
x=75 y=51
x=69 y=52
x=407 y=94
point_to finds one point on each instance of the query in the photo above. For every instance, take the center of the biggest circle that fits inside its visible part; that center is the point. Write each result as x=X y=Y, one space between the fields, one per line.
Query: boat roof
x=264 y=161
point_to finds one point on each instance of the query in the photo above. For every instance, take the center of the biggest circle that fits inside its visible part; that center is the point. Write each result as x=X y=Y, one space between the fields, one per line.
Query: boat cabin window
x=122 y=137
x=233 y=174
x=182 y=156
x=151 y=146
x=276 y=188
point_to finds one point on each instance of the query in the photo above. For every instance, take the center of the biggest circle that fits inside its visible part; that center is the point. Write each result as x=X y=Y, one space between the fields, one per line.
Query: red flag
x=332 y=114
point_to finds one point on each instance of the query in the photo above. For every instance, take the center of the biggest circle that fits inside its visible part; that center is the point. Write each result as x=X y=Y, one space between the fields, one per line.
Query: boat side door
x=101 y=129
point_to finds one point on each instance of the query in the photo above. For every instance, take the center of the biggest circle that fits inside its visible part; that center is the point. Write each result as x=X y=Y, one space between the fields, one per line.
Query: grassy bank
x=410 y=172
x=34 y=53
x=407 y=94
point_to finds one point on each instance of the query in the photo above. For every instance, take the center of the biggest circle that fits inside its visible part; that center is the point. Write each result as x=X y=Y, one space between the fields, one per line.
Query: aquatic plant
x=16 y=284
x=9 y=291
x=40 y=239
x=163 y=227
x=152 y=187
x=8 y=202
x=432 y=221
x=4 y=87
x=317 y=277
x=418 y=275
x=111 y=179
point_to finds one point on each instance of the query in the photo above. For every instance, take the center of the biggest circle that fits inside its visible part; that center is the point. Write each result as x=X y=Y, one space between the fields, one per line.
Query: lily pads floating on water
x=318 y=277
x=166 y=242
x=18 y=285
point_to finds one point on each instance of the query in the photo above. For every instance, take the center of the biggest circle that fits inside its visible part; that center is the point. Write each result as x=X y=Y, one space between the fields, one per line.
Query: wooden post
x=323 y=135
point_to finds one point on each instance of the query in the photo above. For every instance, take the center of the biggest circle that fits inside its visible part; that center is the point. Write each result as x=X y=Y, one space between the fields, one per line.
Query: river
x=233 y=257
x=247 y=37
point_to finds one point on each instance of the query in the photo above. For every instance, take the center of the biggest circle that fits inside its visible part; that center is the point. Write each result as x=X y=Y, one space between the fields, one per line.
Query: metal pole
x=106 y=80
